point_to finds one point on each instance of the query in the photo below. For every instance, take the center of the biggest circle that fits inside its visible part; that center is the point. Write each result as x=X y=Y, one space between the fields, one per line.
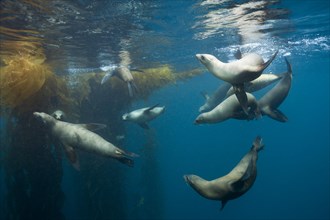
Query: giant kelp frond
x=26 y=82
x=21 y=78
x=153 y=78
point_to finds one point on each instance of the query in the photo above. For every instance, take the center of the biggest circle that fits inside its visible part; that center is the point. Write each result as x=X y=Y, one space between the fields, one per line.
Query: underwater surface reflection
x=95 y=64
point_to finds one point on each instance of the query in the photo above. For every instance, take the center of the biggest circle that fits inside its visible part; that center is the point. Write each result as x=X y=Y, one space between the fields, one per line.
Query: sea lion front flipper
x=241 y=97
x=150 y=108
x=144 y=125
x=106 y=77
x=205 y=95
x=137 y=70
x=136 y=89
x=130 y=89
x=72 y=156
x=93 y=126
x=223 y=203
x=239 y=184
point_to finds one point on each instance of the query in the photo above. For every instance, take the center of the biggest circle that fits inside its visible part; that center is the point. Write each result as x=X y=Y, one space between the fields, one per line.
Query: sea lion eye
x=202 y=57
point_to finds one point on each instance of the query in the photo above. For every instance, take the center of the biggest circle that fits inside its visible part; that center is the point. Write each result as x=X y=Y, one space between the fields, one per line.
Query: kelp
x=27 y=83
x=21 y=78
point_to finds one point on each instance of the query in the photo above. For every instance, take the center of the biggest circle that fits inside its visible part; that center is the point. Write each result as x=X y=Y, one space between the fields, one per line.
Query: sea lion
x=215 y=98
x=230 y=108
x=59 y=115
x=124 y=74
x=238 y=72
x=269 y=103
x=143 y=115
x=79 y=136
x=232 y=185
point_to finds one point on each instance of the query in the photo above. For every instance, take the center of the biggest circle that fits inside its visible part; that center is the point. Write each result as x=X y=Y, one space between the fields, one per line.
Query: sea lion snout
x=186 y=179
x=37 y=115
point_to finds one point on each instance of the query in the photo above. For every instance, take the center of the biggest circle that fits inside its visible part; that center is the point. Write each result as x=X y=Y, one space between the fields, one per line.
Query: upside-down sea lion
x=259 y=83
x=269 y=103
x=230 y=108
x=143 y=115
x=77 y=136
x=232 y=185
x=238 y=72
x=124 y=74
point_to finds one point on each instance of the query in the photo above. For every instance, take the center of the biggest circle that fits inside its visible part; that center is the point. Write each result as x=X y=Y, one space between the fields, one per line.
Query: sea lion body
x=236 y=72
x=229 y=108
x=269 y=103
x=77 y=136
x=235 y=183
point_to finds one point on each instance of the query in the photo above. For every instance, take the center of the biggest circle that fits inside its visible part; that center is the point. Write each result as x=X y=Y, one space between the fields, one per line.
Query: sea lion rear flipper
x=93 y=126
x=124 y=157
x=72 y=156
x=263 y=66
x=107 y=76
x=275 y=114
x=288 y=65
x=257 y=144
x=129 y=162
x=241 y=97
x=144 y=125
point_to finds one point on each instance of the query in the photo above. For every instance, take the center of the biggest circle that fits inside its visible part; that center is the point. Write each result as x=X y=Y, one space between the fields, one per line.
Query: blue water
x=294 y=168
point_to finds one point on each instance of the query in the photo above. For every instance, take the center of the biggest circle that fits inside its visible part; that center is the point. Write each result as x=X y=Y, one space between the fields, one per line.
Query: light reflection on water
x=86 y=35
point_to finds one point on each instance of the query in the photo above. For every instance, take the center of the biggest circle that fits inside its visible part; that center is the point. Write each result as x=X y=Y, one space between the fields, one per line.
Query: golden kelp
x=20 y=78
x=153 y=78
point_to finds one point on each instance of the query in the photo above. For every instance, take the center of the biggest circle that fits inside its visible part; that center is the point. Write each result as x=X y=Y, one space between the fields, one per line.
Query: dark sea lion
x=232 y=185
x=79 y=136
x=144 y=115
x=269 y=103
x=238 y=72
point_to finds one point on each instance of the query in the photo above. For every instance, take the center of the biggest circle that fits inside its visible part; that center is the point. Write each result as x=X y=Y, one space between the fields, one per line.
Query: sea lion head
x=200 y=119
x=198 y=184
x=192 y=179
x=59 y=115
x=206 y=59
x=125 y=117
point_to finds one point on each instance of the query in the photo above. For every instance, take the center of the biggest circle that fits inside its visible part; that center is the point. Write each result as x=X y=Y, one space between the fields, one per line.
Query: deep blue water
x=293 y=169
